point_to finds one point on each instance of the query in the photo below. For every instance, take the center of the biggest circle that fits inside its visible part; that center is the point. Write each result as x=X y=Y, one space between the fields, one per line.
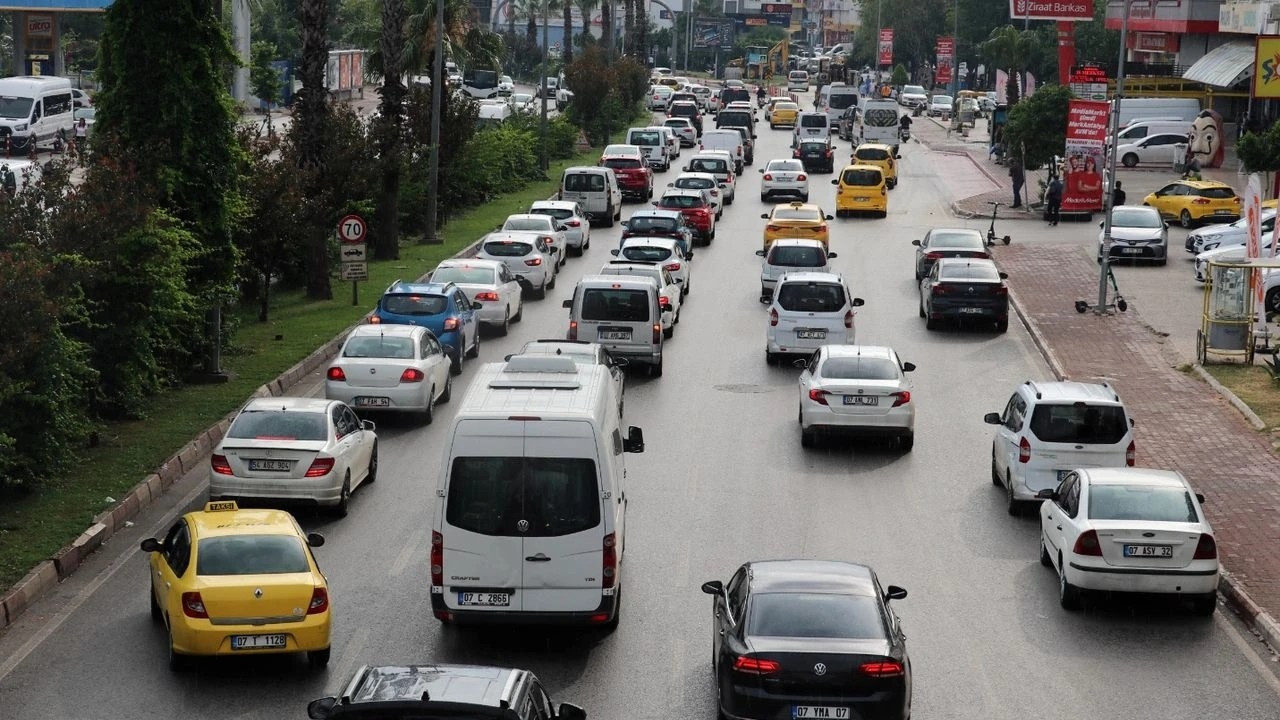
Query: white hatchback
x=488 y=282
x=400 y=368
x=791 y=255
x=577 y=227
x=683 y=128
x=809 y=310
x=659 y=250
x=669 y=294
x=856 y=390
x=551 y=227
x=1129 y=530
x=784 y=177
x=526 y=255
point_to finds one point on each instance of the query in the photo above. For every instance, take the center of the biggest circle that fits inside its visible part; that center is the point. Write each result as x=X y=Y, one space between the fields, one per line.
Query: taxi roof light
x=221 y=506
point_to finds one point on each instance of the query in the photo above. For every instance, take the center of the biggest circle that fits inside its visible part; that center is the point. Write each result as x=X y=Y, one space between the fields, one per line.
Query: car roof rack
x=1035 y=389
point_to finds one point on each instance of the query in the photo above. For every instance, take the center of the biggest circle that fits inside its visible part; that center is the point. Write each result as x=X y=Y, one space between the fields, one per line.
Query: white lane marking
x=353 y=649
x=1248 y=649
x=410 y=550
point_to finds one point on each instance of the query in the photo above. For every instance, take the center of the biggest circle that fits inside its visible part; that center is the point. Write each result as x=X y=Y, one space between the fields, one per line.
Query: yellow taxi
x=861 y=188
x=227 y=581
x=784 y=112
x=882 y=156
x=796 y=220
x=1193 y=202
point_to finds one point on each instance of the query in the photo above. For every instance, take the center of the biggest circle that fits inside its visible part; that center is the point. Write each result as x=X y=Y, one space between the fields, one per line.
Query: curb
x=1231 y=590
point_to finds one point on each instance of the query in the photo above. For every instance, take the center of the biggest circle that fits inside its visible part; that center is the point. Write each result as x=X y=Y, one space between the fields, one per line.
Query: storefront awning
x=1223 y=66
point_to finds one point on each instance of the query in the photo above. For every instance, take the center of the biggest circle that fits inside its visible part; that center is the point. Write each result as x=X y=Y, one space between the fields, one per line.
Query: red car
x=696 y=210
x=635 y=177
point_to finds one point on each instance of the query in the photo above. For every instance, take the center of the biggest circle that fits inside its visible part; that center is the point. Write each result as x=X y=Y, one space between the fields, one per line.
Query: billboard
x=1266 y=67
x=885 y=54
x=1051 y=10
x=1082 y=171
x=713 y=33
x=946 y=51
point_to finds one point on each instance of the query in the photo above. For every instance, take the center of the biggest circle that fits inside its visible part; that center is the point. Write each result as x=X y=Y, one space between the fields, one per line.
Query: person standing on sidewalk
x=1053 y=199
x=10 y=181
x=1117 y=196
x=82 y=138
x=1019 y=179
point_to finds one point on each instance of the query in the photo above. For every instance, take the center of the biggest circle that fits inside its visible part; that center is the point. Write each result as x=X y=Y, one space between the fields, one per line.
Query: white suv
x=1048 y=429
x=791 y=255
x=809 y=310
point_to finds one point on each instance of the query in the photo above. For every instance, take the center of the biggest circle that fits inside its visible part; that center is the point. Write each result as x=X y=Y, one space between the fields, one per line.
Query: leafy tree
x=1037 y=126
x=457 y=126
x=592 y=85
x=916 y=27
x=273 y=238
x=389 y=129
x=900 y=76
x=264 y=79
x=1010 y=49
x=1260 y=153
x=585 y=8
x=465 y=41
x=310 y=130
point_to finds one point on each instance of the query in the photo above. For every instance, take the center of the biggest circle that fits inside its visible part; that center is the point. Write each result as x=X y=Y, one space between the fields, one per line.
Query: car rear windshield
x=1136 y=217
x=650 y=224
x=584 y=182
x=650 y=272
x=859 y=368
x=871 y=154
x=960 y=240
x=734 y=117
x=785 y=166
x=729 y=95
x=797 y=256
x=645 y=138
x=941 y=100
x=414 y=304
x=615 y=304
x=811 y=147
x=250 y=555
x=399 y=347
x=811 y=297
x=710 y=166
x=678 y=124
x=622 y=163
x=279 y=425
x=507 y=248
x=466 y=275
x=685 y=109
x=954 y=271
x=499 y=495
x=788 y=106
x=786 y=213
x=1216 y=193
x=840 y=101
x=694 y=184
x=1079 y=423
x=861 y=178
x=533 y=224
x=798 y=75
x=813 y=121
x=1141 y=502
x=682 y=201
x=815 y=615
x=646 y=253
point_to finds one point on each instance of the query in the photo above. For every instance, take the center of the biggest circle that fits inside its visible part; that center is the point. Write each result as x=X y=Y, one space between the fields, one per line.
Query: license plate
x=1132 y=251
x=615 y=335
x=861 y=400
x=1151 y=551
x=272 y=465
x=970 y=311
x=811 y=334
x=484 y=598
x=256 y=642
x=1062 y=474
x=1224 y=212
x=814 y=711
x=861 y=199
x=373 y=402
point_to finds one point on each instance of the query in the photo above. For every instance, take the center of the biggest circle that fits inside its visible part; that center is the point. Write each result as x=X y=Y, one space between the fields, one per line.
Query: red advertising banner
x=1051 y=10
x=886 y=47
x=1082 y=170
x=946 y=50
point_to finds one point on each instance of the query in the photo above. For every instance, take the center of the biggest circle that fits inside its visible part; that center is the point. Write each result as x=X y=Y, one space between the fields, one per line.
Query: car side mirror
x=621 y=362
x=1102 y=223
x=916 y=243
x=831 y=217
x=368 y=425
x=562 y=227
x=760 y=253
x=476 y=305
x=1004 y=275
x=320 y=709
x=764 y=216
x=835 y=182
x=151 y=545
x=832 y=256
x=766 y=300
x=569 y=711
x=858 y=302
x=908 y=367
x=800 y=363
x=568 y=304
x=1200 y=498
x=992 y=419
x=315 y=539
x=685 y=168
x=893 y=592
x=688 y=255
x=1047 y=494
x=635 y=440
x=897 y=157
x=713 y=587
x=507 y=358
x=1132 y=423
x=761 y=171
x=614 y=252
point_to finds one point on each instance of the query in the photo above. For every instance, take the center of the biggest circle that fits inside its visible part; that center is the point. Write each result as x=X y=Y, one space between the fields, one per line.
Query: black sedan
x=963 y=289
x=941 y=243
x=799 y=639
x=816 y=155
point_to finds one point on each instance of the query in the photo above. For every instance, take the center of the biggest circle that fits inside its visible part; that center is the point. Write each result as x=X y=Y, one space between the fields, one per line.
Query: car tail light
x=193 y=605
x=671 y=267
x=756 y=666
x=665 y=303
x=773 y=228
x=486 y=296
x=609 y=561
x=336 y=373
x=1024 y=451
x=883 y=669
x=828 y=153
x=1206 y=549
x=818 y=396
x=1002 y=289
x=320 y=467
x=768 y=176
x=412 y=375
x=802 y=177
x=933 y=255
x=1087 y=544
x=848 y=318
x=795 y=153
x=715 y=193
x=319 y=601
x=1200 y=201
x=657 y=333
x=533 y=261
x=939 y=289
x=573 y=329
x=901 y=398
x=773 y=317
x=1130 y=454
x=374 y=320
x=437 y=559
x=220 y=465
x=574 y=223
x=451 y=324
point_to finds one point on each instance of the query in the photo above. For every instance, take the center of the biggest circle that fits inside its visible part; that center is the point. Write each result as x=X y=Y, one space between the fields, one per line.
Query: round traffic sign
x=351 y=229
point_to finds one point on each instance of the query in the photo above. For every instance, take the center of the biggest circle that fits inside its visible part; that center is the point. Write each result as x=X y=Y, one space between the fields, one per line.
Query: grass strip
x=1254 y=386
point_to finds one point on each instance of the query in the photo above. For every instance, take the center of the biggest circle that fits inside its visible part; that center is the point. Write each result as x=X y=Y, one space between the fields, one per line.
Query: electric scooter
x=991 y=230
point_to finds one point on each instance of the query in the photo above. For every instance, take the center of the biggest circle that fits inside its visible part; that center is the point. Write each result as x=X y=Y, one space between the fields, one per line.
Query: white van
x=653 y=144
x=1174 y=108
x=729 y=141
x=811 y=126
x=798 y=81
x=33 y=109
x=1135 y=131
x=595 y=189
x=621 y=313
x=530 y=521
x=838 y=98
x=878 y=121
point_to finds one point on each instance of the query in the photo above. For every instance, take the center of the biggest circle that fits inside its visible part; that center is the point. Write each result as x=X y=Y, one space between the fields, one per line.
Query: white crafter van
x=595 y=189
x=530 y=515
x=33 y=109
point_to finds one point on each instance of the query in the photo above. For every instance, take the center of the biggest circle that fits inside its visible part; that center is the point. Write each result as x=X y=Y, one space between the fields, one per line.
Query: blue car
x=443 y=308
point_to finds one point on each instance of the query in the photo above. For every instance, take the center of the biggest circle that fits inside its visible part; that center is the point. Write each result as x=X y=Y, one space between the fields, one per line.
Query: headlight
x=1211 y=246
x=20 y=128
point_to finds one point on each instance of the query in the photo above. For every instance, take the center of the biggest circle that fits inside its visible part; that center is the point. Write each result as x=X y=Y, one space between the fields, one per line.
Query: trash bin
x=1180 y=158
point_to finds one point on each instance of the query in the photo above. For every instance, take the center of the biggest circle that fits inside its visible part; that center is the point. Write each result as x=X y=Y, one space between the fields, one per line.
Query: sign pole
x=353 y=253
x=1108 y=194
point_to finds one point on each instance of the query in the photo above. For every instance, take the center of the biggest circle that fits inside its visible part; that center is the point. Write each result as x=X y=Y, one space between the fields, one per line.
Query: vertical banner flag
x=1002 y=87
x=1253 y=244
x=946 y=59
x=1029 y=87
x=1066 y=50
x=886 y=47
x=1082 y=174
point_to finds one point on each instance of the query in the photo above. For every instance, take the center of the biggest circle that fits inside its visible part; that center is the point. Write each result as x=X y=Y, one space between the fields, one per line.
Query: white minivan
x=729 y=141
x=595 y=189
x=798 y=81
x=33 y=109
x=621 y=313
x=652 y=142
x=530 y=517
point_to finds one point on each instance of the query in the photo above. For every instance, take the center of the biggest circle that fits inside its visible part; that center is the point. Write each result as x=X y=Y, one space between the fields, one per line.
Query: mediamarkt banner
x=1082 y=171
x=886 y=47
x=1051 y=10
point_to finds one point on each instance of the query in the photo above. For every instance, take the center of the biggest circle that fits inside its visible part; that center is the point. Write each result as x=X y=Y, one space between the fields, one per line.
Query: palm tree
x=464 y=42
x=1009 y=49
x=628 y=27
x=641 y=45
x=567 y=7
x=606 y=26
x=586 y=7
x=389 y=130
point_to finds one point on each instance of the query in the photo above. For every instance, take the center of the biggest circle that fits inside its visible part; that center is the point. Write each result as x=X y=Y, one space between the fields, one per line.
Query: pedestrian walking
x=1053 y=199
x=82 y=138
x=10 y=181
x=1117 y=196
x=1019 y=179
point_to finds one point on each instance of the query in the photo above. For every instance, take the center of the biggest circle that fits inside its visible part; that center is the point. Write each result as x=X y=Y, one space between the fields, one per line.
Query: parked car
x=1159 y=149
x=1193 y=202
x=1137 y=233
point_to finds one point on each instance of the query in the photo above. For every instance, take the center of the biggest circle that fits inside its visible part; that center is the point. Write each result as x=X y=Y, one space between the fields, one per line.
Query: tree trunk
x=568 y=31
x=606 y=26
x=628 y=27
x=586 y=25
x=642 y=32
x=532 y=29
x=264 y=302
x=387 y=228
x=312 y=127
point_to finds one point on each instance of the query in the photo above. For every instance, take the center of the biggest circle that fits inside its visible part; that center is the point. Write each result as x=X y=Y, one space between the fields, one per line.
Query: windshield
x=874 y=154
x=507 y=248
x=813 y=147
x=961 y=240
x=16 y=108
x=1144 y=218
x=811 y=297
x=814 y=615
x=695 y=183
x=880 y=117
x=797 y=256
x=1079 y=423
x=414 y=304
x=790 y=213
x=1141 y=502
x=681 y=201
x=719 y=167
x=863 y=178
x=584 y=182
x=397 y=347
x=250 y=555
x=840 y=101
x=978 y=271
x=279 y=425
x=859 y=368
x=813 y=121
x=941 y=100
x=465 y=275
x=1216 y=193
x=523 y=496
x=480 y=79
x=557 y=213
x=646 y=253
x=645 y=138
x=784 y=165
x=913 y=90
x=650 y=224
x=615 y=305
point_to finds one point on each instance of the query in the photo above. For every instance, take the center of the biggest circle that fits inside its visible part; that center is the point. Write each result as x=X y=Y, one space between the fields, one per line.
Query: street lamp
x=437 y=106
x=1109 y=193
x=545 y=160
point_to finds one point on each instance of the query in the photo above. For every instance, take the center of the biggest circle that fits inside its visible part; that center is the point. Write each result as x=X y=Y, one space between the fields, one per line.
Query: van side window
x=57 y=104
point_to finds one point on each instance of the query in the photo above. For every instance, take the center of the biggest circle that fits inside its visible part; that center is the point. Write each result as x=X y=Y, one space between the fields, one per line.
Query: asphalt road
x=723 y=480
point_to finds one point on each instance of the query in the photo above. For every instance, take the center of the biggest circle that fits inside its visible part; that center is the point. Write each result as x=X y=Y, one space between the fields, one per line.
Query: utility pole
x=544 y=159
x=955 y=53
x=1108 y=195
x=437 y=106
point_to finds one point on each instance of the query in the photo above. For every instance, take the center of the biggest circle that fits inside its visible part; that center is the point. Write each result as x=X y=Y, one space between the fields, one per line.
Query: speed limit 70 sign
x=351 y=229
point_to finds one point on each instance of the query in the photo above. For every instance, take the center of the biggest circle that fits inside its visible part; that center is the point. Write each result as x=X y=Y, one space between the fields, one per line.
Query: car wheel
x=1205 y=605
x=1129 y=160
x=429 y=413
x=1068 y=594
x=1045 y=560
x=804 y=198
x=668 y=332
x=763 y=197
x=448 y=390
x=155 y=606
x=770 y=358
x=505 y=327
x=1011 y=503
x=344 y=496
x=455 y=364
x=1273 y=300
x=177 y=661
x=608 y=215
x=551 y=285
x=655 y=370
x=371 y=474
x=519 y=313
x=922 y=312
x=475 y=349
x=318 y=659
x=995 y=472
x=1002 y=325
x=1185 y=219
x=930 y=323
x=906 y=441
x=808 y=438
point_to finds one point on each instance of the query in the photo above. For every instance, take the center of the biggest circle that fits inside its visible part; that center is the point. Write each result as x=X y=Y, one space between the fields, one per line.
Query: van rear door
x=620 y=318
x=565 y=509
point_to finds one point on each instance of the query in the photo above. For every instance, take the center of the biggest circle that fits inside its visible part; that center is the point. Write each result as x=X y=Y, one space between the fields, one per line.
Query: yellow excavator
x=776 y=60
